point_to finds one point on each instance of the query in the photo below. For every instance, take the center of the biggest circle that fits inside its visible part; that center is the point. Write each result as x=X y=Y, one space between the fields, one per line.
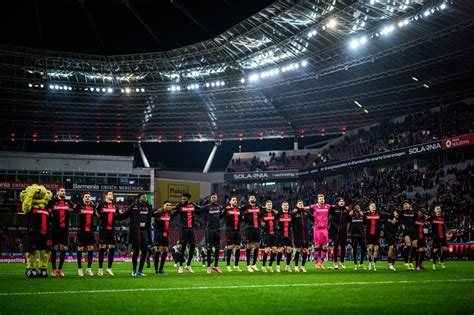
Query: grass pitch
x=448 y=291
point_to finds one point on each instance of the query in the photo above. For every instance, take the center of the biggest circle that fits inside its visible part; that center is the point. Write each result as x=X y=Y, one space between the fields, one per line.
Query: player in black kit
x=407 y=224
x=301 y=234
x=338 y=229
x=251 y=212
x=213 y=213
x=390 y=233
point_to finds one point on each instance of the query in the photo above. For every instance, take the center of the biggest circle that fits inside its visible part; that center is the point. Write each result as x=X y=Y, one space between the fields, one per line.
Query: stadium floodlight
x=415 y=79
x=426 y=13
x=56 y=87
x=358 y=104
x=304 y=63
x=387 y=29
x=168 y=89
x=127 y=90
x=332 y=23
x=30 y=85
x=363 y=40
x=65 y=87
x=222 y=83
x=296 y=65
x=277 y=71
x=207 y=84
x=51 y=86
x=122 y=90
x=178 y=88
x=142 y=90
x=242 y=80
x=354 y=43
x=173 y=88
x=41 y=86
x=442 y=6
x=253 y=77
x=366 y=111
x=213 y=84
x=372 y=2
x=401 y=24
x=97 y=89
x=188 y=87
x=137 y=90
x=69 y=88
x=426 y=85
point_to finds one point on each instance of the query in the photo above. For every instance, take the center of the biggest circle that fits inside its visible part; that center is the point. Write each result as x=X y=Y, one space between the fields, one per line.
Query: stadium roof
x=294 y=68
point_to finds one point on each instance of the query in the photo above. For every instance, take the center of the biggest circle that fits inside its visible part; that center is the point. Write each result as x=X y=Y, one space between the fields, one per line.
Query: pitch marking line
x=294 y=285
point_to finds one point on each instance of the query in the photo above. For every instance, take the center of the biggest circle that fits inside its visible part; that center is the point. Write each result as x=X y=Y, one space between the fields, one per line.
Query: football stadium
x=259 y=157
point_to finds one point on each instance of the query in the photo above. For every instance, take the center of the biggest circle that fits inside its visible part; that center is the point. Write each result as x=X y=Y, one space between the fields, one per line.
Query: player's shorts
x=37 y=241
x=233 y=237
x=106 y=237
x=253 y=235
x=320 y=237
x=339 y=238
x=373 y=240
x=60 y=236
x=390 y=239
x=357 y=240
x=162 y=241
x=333 y=234
x=284 y=241
x=85 y=238
x=421 y=242
x=302 y=240
x=439 y=242
x=270 y=240
x=213 y=238
x=187 y=236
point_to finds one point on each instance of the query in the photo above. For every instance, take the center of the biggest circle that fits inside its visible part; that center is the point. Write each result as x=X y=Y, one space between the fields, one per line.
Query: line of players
x=278 y=231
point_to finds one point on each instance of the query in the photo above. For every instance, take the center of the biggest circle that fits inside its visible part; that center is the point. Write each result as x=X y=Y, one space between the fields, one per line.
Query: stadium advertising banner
x=105 y=187
x=266 y=175
x=172 y=191
x=22 y=185
x=385 y=156
x=456 y=142
x=445 y=144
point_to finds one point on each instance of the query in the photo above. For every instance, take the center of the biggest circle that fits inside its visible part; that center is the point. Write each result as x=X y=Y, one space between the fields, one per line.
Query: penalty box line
x=256 y=286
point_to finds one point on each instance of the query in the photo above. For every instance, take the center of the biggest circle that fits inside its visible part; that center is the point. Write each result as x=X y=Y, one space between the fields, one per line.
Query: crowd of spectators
x=281 y=161
x=450 y=121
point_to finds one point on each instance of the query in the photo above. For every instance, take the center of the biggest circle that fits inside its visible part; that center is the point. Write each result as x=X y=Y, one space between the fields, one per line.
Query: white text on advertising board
x=425 y=148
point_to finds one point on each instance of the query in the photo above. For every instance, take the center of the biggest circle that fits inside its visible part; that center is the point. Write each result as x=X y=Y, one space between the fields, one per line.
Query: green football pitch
x=447 y=291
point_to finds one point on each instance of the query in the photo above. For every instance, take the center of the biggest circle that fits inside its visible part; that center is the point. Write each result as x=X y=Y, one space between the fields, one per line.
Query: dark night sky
x=66 y=27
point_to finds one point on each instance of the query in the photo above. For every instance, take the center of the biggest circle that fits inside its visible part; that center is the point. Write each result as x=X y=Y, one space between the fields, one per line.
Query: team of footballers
x=277 y=232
